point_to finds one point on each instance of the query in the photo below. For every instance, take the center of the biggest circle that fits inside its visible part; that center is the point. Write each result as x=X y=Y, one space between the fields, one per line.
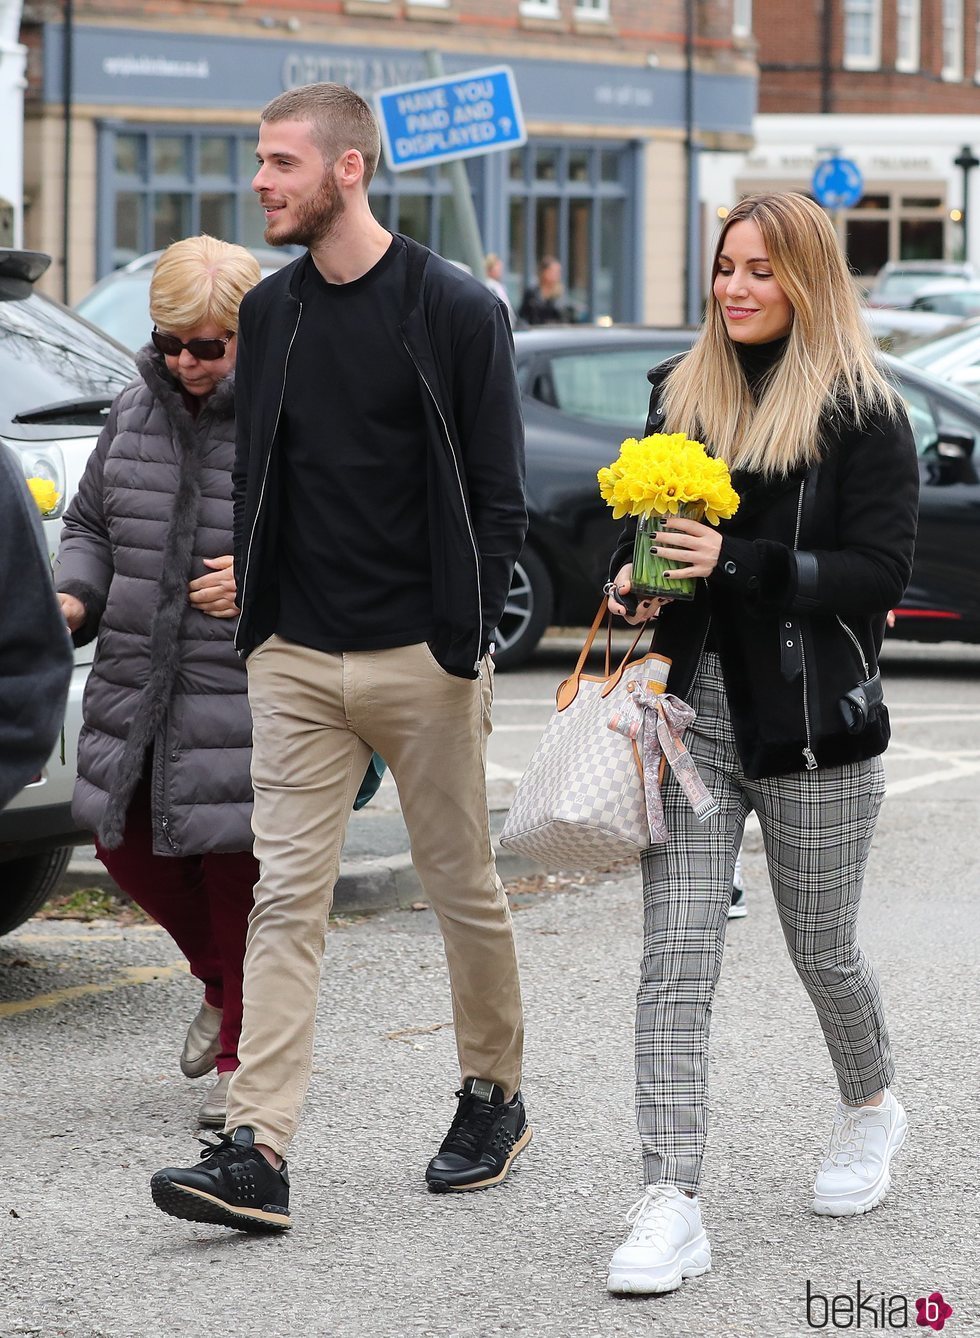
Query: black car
x=585 y=389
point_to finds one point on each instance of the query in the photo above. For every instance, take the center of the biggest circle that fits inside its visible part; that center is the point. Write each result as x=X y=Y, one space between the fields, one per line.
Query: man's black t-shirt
x=355 y=570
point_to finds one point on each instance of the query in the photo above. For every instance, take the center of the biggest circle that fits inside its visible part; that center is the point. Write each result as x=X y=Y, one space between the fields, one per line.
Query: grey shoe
x=215 y=1105
x=200 y=1051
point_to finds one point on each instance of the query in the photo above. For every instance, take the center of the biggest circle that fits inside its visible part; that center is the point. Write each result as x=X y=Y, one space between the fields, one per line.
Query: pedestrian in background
x=379 y=511
x=35 y=654
x=777 y=654
x=541 y=302
x=145 y=566
x=495 y=282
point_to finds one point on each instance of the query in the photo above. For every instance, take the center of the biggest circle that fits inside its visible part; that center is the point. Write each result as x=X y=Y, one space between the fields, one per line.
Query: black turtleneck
x=758 y=360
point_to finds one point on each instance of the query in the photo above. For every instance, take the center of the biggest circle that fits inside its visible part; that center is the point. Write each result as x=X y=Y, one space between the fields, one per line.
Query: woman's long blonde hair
x=829 y=367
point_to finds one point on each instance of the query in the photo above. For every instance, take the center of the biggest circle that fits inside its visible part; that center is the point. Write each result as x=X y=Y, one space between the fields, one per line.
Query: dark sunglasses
x=205 y=350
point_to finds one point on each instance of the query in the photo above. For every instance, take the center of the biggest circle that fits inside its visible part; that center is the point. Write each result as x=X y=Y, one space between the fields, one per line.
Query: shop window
x=540 y=9
x=920 y=238
x=218 y=214
x=129 y=155
x=862 y=34
x=214 y=156
x=130 y=226
x=867 y=244
x=171 y=218
x=569 y=200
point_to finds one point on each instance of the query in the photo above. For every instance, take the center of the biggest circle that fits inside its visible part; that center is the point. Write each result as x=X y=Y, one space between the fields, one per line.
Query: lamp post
x=966 y=161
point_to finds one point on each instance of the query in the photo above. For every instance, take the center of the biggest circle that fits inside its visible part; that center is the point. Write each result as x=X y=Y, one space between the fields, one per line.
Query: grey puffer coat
x=154 y=500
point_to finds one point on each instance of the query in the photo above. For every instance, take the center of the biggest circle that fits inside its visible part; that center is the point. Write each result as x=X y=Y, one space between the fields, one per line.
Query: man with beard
x=379 y=510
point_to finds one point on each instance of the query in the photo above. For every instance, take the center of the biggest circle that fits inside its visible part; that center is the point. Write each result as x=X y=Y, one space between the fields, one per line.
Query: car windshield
x=48 y=356
x=934 y=350
x=122 y=308
x=905 y=283
x=965 y=303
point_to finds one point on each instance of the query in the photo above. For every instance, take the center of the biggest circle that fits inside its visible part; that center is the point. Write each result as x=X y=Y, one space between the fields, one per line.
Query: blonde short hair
x=201 y=281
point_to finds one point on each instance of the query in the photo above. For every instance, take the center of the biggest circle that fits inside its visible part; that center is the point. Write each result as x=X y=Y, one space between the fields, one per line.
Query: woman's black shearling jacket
x=809 y=566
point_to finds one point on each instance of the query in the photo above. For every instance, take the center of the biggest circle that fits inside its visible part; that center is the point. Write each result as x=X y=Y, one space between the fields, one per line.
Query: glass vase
x=648 y=580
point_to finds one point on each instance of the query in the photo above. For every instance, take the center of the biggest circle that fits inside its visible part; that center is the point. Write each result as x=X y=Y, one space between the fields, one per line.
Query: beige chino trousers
x=316 y=718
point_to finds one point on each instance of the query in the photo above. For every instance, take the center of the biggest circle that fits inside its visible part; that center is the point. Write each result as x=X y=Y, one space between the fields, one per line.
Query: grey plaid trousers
x=817 y=828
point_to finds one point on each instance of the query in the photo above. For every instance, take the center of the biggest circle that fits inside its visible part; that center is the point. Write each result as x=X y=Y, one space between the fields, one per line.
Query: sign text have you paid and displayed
x=454 y=116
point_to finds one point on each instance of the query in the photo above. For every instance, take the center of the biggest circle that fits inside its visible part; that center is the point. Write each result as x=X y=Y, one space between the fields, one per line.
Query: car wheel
x=27 y=884
x=527 y=612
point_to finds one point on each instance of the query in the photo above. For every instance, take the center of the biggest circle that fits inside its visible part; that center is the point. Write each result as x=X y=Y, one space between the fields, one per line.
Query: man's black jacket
x=458 y=336
x=809 y=566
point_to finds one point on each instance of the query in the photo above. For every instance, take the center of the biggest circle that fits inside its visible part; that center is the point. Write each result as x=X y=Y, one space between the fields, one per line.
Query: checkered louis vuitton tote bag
x=580 y=804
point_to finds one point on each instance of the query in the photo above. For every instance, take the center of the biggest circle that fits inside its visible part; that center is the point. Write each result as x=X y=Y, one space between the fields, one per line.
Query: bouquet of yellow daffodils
x=663 y=475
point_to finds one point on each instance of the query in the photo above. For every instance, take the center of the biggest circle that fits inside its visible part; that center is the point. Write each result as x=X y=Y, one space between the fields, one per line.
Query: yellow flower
x=663 y=472
x=46 y=495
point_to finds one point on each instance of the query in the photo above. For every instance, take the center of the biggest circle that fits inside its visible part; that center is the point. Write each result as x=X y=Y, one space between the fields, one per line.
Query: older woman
x=145 y=566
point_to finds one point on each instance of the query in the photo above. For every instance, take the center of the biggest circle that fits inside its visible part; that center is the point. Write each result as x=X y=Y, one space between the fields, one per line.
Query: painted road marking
x=132 y=975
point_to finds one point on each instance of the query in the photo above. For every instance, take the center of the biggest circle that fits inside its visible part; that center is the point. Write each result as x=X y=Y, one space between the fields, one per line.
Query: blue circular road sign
x=837 y=183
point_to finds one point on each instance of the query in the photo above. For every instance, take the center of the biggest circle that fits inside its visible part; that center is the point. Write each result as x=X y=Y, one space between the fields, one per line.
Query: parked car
x=898 y=281
x=948 y=298
x=896 y=329
x=953 y=356
x=120 y=303
x=585 y=389
x=58 y=376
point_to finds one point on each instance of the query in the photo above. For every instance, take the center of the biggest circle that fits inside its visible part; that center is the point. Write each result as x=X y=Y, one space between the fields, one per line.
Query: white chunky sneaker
x=853 y=1177
x=666 y=1245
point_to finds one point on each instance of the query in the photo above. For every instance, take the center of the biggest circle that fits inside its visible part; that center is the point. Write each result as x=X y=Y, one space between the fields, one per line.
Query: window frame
x=912 y=17
x=742 y=18
x=539 y=9
x=951 y=22
x=592 y=11
x=854 y=9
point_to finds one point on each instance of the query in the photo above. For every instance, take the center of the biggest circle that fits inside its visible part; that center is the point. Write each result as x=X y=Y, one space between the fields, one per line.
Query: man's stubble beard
x=316 y=218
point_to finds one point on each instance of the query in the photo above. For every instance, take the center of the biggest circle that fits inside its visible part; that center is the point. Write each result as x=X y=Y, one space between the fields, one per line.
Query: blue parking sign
x=837 y=183
x=453 y=116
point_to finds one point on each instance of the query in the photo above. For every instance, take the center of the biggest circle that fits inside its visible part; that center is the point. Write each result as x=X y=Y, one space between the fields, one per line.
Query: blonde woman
x=145 y=567
x=777 y=653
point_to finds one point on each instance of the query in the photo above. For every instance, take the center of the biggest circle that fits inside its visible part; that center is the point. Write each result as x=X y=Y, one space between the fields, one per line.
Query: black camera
x=860 y=704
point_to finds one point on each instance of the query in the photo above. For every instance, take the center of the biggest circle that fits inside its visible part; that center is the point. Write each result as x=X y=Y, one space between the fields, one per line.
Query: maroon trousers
x=202 y=901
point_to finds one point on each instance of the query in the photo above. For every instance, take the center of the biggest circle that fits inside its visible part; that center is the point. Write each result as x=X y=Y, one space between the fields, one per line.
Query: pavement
x=92 y=1018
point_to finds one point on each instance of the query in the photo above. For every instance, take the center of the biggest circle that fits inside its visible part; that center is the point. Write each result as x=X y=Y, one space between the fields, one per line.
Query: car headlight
x=44 y=470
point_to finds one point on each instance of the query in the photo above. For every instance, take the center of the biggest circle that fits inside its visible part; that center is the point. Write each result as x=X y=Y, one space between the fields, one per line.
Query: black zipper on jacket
x=808 y=757
x=462 y=498
x=265 y=472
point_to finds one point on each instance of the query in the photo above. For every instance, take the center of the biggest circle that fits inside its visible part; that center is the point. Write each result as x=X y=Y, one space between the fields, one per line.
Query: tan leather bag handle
x=568 y=690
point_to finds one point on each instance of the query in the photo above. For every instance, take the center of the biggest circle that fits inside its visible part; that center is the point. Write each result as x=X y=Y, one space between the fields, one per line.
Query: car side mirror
x=954 y=445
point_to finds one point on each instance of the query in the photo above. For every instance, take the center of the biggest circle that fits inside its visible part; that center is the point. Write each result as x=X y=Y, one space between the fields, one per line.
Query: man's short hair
x=339 y=120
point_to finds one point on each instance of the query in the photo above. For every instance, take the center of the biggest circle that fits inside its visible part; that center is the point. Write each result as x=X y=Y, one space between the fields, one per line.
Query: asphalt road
x=91 y=1019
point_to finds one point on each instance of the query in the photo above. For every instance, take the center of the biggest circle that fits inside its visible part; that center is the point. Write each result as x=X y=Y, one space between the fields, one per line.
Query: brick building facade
x=893 y=85
x=166 y=95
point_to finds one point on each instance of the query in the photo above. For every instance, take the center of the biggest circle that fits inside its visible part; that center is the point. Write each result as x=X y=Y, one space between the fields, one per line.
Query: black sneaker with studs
x=232 y=1185
x=485 y=1136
